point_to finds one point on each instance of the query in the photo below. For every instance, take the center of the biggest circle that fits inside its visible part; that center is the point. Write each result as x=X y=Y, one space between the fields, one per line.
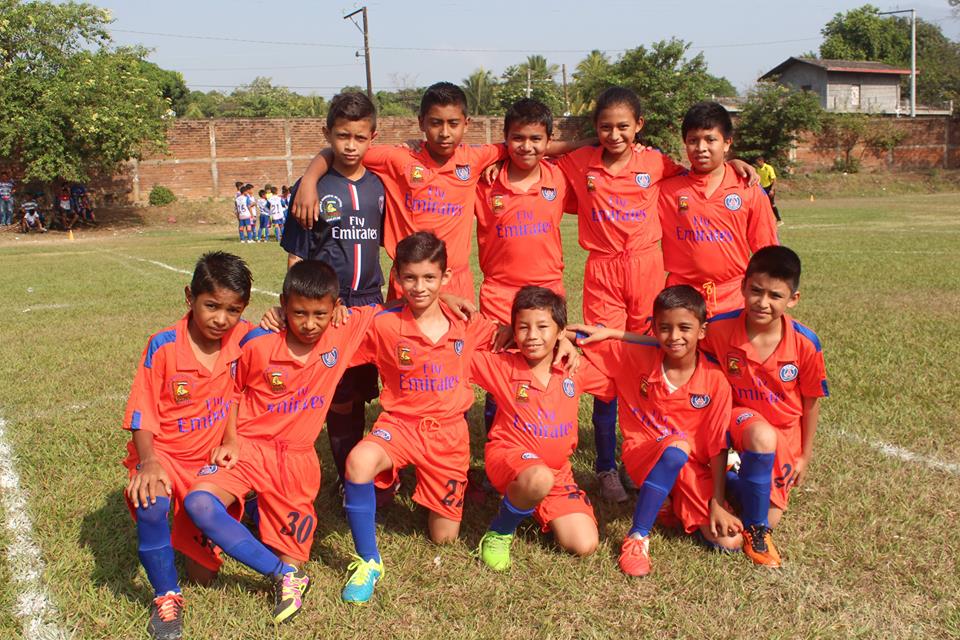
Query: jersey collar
x=282 y=354
x=547 y=180
x=730 y=182
x=409 y=327
x=229 y=348
x=785 y=351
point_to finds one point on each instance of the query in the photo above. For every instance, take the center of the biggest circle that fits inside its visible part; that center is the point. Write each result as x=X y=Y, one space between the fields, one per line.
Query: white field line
x=164 y=265
x=47 y=307
x=894 y=451
x=34 y=605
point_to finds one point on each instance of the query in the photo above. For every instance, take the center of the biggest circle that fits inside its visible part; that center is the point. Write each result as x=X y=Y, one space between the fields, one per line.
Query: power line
x=299 y=66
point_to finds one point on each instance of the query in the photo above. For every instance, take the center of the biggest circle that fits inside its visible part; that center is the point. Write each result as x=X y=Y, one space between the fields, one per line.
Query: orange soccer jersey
x=518 y=234
x=617 y=212
x=707 y=241
x=185 y=407
x=424 y=196
x=652 y=417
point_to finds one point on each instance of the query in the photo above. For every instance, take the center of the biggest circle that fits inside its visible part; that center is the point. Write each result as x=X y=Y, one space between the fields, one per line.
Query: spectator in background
x=768 y=181
x=67 y=214
x=263 y=211
x=31 y=220
x=6 y=198
x=80 y=202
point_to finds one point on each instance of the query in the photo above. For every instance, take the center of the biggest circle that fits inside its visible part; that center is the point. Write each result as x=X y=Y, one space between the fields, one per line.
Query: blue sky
x=739 y=41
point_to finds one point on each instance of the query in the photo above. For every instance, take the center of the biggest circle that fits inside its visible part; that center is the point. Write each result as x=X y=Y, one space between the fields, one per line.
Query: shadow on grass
x=111 y=536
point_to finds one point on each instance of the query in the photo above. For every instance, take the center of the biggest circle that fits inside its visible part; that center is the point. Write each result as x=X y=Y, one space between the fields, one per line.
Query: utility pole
x=366 y=45
x=913 y=56
x=566 y=95
x=529 y=81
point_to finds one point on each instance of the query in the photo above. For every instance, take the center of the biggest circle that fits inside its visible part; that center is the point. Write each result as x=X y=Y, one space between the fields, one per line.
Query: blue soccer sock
x=655 y=489
x=154 y=548
x=754 y=487
x=360 y=502
x=509 y=517
x=489 y=411
x=605 y=434
x=241 y=234
x=276 y=233
x=211 y=517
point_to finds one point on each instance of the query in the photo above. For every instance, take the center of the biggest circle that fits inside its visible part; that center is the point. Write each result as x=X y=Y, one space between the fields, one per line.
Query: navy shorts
x=359 y=383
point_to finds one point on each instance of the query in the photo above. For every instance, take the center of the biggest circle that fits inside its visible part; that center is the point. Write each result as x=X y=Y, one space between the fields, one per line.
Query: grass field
x=870 y=543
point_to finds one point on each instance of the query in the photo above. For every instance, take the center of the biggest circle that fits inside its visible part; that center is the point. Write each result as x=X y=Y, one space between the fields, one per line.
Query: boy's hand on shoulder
x=149 y=483
x=567 y=352
x=305 y=207
x=589 y=333
x=340 y=315
x=746 y=170
x=226 y=455
x=461 y=307
x=273 y=319
x=413 y=145
x=501 y=339
x=490 y=173
x=722 y=522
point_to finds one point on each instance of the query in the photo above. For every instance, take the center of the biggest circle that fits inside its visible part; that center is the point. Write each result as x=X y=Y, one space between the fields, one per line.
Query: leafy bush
x=160 y=195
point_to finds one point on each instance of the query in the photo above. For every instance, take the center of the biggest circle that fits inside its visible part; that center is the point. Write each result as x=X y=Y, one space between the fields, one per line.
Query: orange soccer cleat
x=635 y=556
x=758 y=545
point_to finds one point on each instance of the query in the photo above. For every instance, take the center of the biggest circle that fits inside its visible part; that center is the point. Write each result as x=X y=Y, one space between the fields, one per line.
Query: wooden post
x=214 y=172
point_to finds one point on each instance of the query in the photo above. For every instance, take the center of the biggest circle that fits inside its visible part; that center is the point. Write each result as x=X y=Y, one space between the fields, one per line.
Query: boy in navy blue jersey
x=348 y=237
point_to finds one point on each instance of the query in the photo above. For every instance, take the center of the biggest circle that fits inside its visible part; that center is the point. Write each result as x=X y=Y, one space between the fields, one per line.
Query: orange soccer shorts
x=440 y=451
x=496 y=299
x=185 y=536
x=286 y=477
x=618 y=290
x=505 y=462
x=789 y=449
x=720 y=296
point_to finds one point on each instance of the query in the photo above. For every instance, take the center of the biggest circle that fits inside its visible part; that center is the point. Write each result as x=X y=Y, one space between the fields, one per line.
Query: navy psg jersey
x=348 y=234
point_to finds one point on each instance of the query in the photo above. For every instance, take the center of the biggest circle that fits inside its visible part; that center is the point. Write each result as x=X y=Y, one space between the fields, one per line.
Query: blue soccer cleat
x=359 y=588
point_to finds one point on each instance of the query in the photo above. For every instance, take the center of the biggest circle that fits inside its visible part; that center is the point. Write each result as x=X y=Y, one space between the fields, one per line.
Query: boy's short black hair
x=707 y=115
x=443 y=94
x=418 y=247
x=312 y=279
x=528 y=111
x=221 y=270
x=246 y=187
x=778 y=262
x=261 y=193
x=239 y=184
x=681 y=296
x=615 y=96
x=531 y=297
x=352 y=106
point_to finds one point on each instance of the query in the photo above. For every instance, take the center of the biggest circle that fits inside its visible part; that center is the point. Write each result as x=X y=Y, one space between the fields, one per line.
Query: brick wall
x=205 y=157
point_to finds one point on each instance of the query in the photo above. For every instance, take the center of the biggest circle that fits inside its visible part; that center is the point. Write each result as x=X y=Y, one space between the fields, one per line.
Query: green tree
x=71 y=104
x=480 y=87
x=772 y=119
x=171 y=84
x=841 y=133
x=592 y=75
x=535 y=74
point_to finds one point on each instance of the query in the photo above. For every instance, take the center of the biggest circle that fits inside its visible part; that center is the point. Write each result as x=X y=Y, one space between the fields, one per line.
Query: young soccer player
x=674 y=412
x=263 y=215
x=518 y=218
x=244 y=204
x=348 y=237
x=276 y=213
x=768 y=182
x=616 y=189
x=287 y=378
x=712 y=219
x=239 y=186
x=777 y=375
x=431 y=188
x=180 y=398
x=527 y=457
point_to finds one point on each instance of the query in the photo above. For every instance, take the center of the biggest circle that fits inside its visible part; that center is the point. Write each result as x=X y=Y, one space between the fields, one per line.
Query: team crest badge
x=683 y=203
x=789 y=372
x=277 y=381
x=528 y=455
x=331 y=206
x=643 y=180
x=568 y=387
x=463 y=172
x=497 y=203
x=330 y=358
x=549 y=194
x=208 y=470
x=698 y=401
x=644 y=387
x=458 y=347
x=416 y=173
x=733 y=202
x=382 y=433
x=743 y=417
x=405 y=356
x=181 y=391
x=523 y=392
x=733 y=366
x=591 y=183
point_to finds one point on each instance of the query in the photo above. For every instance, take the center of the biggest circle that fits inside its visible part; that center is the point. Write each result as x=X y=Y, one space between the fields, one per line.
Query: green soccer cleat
x=494 y=550
x=366 y=574
x=288 y=592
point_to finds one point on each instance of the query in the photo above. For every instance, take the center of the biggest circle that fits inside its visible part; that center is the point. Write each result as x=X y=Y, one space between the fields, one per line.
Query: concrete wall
x=809 y=77
x=878 y=93
x=206 y=157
